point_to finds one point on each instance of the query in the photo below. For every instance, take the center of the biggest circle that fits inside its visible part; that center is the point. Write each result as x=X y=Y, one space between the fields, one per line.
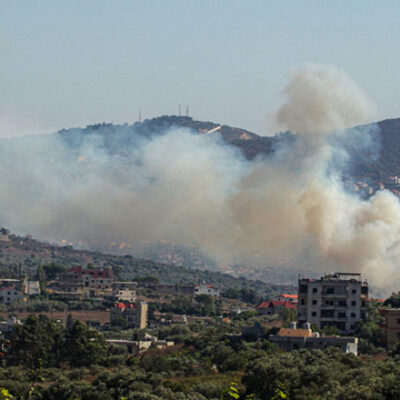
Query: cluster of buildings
x=335 y=301
x=15 y=289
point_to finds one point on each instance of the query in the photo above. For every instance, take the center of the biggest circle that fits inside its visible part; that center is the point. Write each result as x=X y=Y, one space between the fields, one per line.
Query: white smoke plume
x=321 y=98
x=193 y=189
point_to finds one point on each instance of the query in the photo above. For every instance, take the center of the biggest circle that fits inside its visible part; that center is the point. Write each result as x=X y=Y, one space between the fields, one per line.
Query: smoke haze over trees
x=121 y=184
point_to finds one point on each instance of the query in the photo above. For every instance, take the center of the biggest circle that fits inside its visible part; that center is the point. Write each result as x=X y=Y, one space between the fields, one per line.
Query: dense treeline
x=44 y=360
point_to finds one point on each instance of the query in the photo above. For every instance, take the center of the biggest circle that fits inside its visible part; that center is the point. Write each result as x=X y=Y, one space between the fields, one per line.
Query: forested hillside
x=22 y=255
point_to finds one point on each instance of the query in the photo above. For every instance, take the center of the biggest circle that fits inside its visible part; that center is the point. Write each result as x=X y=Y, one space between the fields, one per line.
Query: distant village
x=336 y=301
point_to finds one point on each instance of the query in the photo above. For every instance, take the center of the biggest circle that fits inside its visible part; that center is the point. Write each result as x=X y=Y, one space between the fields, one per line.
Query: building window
x=398 y=321
x=353 y=303
x=302 y=302
x=354 y=291
x=313 y=314
x=315 y=290
x=314 y=302
x=398 y=335
x=353 y=315
x=303 y=289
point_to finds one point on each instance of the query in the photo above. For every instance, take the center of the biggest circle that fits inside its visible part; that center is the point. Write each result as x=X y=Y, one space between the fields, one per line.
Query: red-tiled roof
x=377 y=300
x=289 y=296
x=122 y=305
x=277 y=303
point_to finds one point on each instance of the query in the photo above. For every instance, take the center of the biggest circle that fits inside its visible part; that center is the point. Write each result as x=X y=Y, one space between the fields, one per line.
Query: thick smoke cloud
x=288 y=208
x=321 y=98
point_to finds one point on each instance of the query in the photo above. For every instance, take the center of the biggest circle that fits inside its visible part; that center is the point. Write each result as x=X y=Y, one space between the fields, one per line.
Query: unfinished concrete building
x=336 y=300
x=391 y=327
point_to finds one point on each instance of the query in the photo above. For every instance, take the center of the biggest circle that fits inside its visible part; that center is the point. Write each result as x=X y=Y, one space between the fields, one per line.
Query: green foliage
x=83 y=346
x=52 y=270
x=231 y=392
x=393 y=301
x=244 y=294
x=41 y=343
x=119 y=322
x=36 y=343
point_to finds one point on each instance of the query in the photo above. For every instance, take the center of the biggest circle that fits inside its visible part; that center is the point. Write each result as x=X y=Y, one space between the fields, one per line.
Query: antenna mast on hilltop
x=140 y=115
x=187 y=111
x=179 y=110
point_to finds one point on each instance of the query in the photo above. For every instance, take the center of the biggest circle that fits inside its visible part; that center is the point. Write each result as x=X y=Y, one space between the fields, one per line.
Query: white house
x=9 y=295
x=31 y=287
x=206 y=289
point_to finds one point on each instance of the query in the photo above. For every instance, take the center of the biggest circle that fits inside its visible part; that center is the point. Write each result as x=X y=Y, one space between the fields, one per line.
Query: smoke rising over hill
x=288 y=208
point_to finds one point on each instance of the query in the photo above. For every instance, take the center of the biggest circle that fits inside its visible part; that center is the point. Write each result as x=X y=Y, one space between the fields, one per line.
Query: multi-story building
x=78 y=279
x=391 y=327
x=136 y=314
x=338 y=300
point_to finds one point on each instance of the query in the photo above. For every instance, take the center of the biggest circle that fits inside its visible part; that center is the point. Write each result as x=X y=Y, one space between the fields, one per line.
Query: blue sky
x=71 y=63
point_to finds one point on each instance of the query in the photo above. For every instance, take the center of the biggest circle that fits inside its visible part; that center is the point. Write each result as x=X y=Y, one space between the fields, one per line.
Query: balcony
x=334 y=295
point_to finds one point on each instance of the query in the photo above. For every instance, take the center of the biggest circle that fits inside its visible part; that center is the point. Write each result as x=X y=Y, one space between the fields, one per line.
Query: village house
x=145 y=342
x=135 y=314
x=31 y=287
x=289 y=339
x=78 y=279
x=292 y=298
x=9 y=294
x=9 y=326
x=160 y=318
x=275 y=307
x=124 y=291
x=390 y=327
x=206 y=289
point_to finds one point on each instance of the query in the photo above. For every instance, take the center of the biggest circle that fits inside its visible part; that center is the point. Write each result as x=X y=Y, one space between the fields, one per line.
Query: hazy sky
x=70 y=63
